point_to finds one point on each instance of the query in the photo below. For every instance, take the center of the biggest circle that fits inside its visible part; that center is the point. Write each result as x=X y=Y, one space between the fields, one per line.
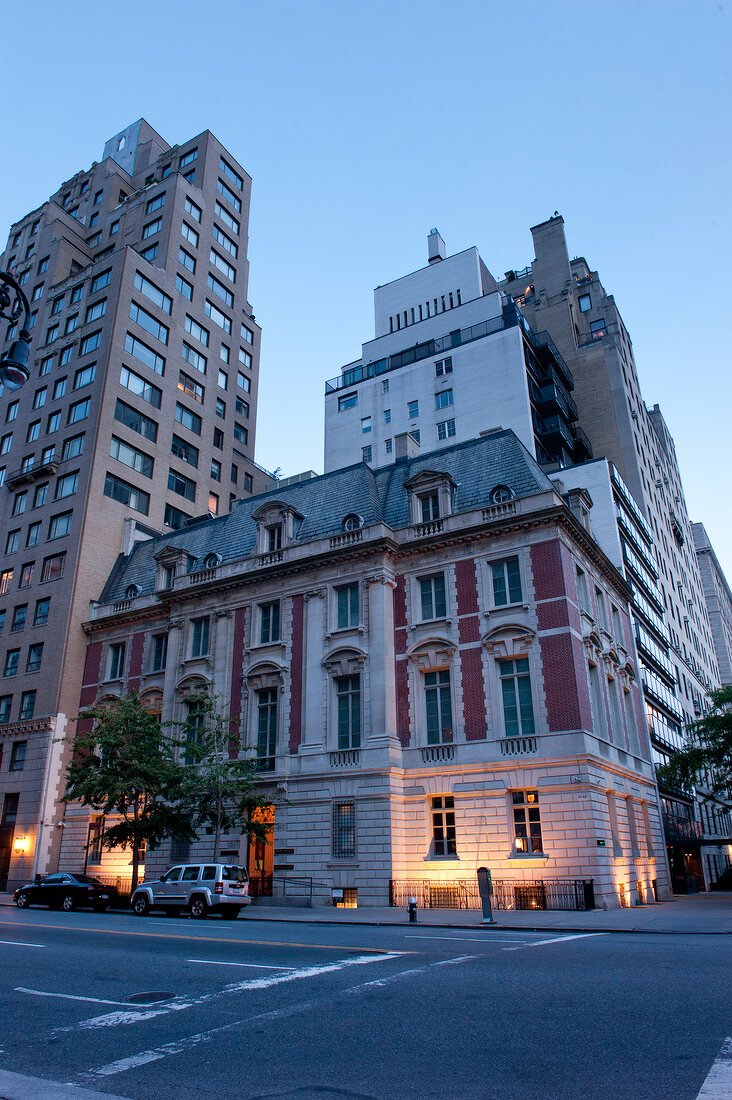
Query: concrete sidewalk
x=698 y=914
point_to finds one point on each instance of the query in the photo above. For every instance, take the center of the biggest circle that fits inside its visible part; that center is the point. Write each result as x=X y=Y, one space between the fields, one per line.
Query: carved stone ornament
x=509 y=640
x=432 y=653
x=223 y=613
x=175 y=624
x=591 y=643
x=379 y=578
x=315 y=594
x=263 y=676
x=192 y=685
x=344 y=662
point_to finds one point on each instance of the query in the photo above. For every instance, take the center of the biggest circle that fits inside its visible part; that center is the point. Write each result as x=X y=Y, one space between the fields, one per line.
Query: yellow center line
x=213 y=939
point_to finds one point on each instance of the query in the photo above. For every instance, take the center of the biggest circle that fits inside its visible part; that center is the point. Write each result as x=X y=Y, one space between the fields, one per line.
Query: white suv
x=201 y=888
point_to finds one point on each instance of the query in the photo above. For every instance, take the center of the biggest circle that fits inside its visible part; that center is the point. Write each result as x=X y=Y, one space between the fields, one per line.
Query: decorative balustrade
x=438 y=754
x=518 y=746
x=344 y=758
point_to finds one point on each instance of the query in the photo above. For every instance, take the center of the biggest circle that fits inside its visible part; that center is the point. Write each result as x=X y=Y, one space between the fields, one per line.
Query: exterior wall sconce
x=21 y=844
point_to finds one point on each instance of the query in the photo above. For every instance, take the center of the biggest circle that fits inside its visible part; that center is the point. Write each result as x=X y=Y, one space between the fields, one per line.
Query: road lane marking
x=718 y=1082
x=14 y=943
x=557 y=939
x=178 y=1046
x=69 y=996
x=206 y=939
x=256 y=966
x=473 y=939
x=116 y=1019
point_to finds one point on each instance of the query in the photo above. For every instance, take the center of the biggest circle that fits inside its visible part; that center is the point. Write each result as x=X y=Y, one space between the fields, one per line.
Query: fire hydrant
x=412 y=910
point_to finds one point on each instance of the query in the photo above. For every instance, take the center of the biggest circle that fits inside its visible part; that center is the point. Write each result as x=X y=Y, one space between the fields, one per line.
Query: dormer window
x=431 y=494
x=352 y=522
x=277 y=526
x=173 y=561
x=501 y=494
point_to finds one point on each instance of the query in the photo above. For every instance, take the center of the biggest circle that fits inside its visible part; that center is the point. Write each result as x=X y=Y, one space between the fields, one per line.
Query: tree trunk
x=135 y=864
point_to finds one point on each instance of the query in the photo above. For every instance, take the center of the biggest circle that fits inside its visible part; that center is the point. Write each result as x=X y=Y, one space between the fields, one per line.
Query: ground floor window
x=527 y=822
x=443 y=826
x=344 y=830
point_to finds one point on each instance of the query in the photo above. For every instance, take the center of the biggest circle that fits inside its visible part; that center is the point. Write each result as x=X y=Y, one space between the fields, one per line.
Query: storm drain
x=149 y=998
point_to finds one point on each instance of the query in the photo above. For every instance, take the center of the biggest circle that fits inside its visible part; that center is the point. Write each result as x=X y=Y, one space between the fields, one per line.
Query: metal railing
x=578 y=894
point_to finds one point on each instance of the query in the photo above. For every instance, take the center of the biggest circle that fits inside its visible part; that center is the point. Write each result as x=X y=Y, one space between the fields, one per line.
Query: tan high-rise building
x=138 y=417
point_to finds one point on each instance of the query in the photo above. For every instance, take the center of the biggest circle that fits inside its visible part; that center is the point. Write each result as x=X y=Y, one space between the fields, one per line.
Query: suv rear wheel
x=198 y=908
x=140 y=905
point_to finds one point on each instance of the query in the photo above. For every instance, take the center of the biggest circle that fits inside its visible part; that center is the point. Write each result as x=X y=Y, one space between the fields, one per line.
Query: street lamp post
x=14 y=371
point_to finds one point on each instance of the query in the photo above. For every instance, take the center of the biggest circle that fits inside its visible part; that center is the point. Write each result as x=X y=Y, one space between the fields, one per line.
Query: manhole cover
x=148 y=998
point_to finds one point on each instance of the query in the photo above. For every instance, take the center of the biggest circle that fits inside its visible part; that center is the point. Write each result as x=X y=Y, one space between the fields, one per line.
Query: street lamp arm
x=14 y=371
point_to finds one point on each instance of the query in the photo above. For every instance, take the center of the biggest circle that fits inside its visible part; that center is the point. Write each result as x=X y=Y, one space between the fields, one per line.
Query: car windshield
x=233 y=874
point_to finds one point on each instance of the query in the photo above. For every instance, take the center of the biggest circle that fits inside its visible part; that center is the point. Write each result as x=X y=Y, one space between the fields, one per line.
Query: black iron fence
x=507 y=894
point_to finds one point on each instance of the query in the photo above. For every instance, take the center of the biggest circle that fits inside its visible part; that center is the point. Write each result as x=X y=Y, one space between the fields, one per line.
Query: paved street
x=280 y=1009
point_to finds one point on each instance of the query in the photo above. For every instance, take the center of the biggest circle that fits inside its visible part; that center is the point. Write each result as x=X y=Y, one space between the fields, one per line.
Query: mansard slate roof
x=476 y=466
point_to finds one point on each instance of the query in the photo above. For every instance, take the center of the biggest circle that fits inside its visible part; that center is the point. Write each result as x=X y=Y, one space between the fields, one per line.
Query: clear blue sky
x=365 y=124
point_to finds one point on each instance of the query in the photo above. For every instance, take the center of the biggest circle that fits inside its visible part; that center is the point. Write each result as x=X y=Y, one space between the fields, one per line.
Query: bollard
x=412 y=910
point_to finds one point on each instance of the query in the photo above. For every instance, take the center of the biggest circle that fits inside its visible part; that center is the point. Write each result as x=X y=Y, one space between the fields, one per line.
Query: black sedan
x=67 y=891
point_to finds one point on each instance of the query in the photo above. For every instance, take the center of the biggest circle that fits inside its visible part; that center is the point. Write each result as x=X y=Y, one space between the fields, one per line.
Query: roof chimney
x=435 y=247
x=406 y=446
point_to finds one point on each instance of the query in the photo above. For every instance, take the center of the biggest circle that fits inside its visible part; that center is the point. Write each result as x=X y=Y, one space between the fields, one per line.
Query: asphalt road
x=251 y=1009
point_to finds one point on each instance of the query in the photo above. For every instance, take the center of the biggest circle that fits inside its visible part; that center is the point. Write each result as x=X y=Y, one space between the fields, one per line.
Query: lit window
x=344 y=830
x=526 y=822
x=443 y=826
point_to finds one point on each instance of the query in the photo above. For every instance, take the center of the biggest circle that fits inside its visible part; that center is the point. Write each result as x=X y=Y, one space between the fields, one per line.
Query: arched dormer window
x=431 y=496
x=278 y=525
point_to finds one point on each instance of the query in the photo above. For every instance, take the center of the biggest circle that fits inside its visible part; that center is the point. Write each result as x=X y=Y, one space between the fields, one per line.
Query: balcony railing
x=345 y=758
x=518 y=746
x=30 y=472
x=438 y=754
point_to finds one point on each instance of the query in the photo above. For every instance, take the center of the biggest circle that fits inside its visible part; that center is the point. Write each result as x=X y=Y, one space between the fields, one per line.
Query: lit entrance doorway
x=261 y=856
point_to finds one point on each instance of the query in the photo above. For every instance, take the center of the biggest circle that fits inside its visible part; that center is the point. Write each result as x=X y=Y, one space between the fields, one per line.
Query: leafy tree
x=219 y=791
x=707 y=758
x=126 y=765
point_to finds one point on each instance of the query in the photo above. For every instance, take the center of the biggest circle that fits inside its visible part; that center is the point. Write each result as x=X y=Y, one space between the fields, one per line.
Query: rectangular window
x=443 y=366
x=226 y=242
x=518 y=709
x=243 y=382
x=429 y=506
x=347 y=606
x=526 y=822
x=90 y=343
x=11 y=662
x=222 y=264
x=194 y=357
x=19 y=503
x=186 y=260
x=78 y=411
x=101 y=280
x=130 y=456
x=148 y=322
x=585 y=303
x=17 y=756
x=226 y=217
x=152 y=228
x=39 y=496
x=366 y=454
x=365 y=424
x=174 y=517
x=46 y=365
x=159 y=652
x=220 y=291
x=199 y=637
x=184 y=287
x=217 y=316
x=124 y=493
x=95 y=311
x=6 y=443
x=432 y=595
x=19 y=616
x=153 y=293
x=78 y=291
x=228 y=195
x=348 y=695
x=184 y=450
x=34 y=430
x=51 y=333
x=6 y=578
x=506 y=582
x=412 y=409
x=444 y=841
x=597 y=328
x=192 y=209
x=348 y=401
x=149 y=253
x=446 y=429
x=84 y=376
x=131 y=418
x=269 y=623
x=6 y=702
x=189 y=233
x=224 y=353
x=443 y=399
x=66 y=486
x=34 y=534
x=145 y=354
x=218 y=438
x=35 y=657
x=53 y=423
x=223 y=380
x=155 y=203
x=438 y=707
x=229 y=171
x=215 y=470
x=190 y=386
x=41 y=616
x=116 y=665
x=59 y=525
x=12 y=542
x=344 y=830
x=266 y=729
x=10 y=808
x=177 y=483
x=220 y=407
x=137 y=385
x=240 y=432
x=188 y=157
x=59 y=388
x=198 y=332
x=242 y=407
